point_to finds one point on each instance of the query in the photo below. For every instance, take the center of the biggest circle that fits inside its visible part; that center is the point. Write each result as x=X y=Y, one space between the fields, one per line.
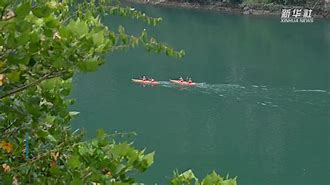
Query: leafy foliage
x=188 y=178
x=43 y=43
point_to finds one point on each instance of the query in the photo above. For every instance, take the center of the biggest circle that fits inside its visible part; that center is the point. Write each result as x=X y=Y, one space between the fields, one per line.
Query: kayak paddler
x=190 y=81
x=181 y=79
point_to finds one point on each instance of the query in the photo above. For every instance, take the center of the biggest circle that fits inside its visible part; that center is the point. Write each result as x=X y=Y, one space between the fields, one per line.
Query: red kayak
x=183 y=82
x=145 y=82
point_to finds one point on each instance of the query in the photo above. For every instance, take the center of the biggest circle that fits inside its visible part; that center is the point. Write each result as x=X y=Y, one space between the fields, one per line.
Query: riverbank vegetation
x=281 y=2
x=43 y=44
x=320 y=8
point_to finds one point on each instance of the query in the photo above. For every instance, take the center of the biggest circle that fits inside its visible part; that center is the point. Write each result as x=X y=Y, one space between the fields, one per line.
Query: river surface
x=260 y=110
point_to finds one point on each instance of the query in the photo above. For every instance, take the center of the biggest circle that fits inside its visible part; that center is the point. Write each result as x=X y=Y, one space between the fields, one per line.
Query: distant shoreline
x=254 y=10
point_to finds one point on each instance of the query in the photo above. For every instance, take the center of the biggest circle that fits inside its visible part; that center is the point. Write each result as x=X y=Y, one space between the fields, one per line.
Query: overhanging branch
x=22 y=88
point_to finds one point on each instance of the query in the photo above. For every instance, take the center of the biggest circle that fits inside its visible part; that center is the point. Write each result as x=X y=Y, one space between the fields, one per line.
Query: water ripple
x=260 y=94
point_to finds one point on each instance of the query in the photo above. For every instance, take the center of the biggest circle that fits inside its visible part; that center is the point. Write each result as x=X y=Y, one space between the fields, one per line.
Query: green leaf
x=7 y=179
x=50 y=119
x=83 y=150
x=58 y=62
x=23 y=9
x=73 y=113
x=98 y=38
x=121 y=150
x=74 y=162
x=149 y=158
x=185 y=178
x=24 y=26
x=79 y=27
x=19 y=59
x=88 y=66
x=120 y=168
x=51 y=138
x=48 y=32
x=11 y=41
x=64 y=32
x=4 y=3
x=34 y=37
x=2 y=64
x=82 y=28
x=76 y=181
x=144 y=36
x=52 y=22
x=120 y=183
x=14 y=76
x=55 y=171
x=100 y=134
x=132 y=156
x=181 y=54
x=51 y=83
x=42 y=11
x=212 y=179
x=42 y=133
x=22 y=40
x=229 y=182
x=112 y=37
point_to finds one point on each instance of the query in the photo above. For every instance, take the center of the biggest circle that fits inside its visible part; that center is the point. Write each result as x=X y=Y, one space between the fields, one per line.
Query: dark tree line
x=283 y=2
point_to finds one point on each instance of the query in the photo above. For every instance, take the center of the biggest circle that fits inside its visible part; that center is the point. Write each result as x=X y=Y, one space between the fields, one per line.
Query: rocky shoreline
x=256 y=10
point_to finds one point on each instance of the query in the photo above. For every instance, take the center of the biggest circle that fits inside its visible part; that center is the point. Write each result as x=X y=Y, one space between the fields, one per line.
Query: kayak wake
x=259 y=94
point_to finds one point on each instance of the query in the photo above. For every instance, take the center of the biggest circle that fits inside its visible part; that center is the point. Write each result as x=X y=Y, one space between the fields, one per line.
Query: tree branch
x=8 y=127
x=22 y=88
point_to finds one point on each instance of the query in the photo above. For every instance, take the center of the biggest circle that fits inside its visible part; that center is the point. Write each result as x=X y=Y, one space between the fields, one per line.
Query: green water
x=260 y=112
